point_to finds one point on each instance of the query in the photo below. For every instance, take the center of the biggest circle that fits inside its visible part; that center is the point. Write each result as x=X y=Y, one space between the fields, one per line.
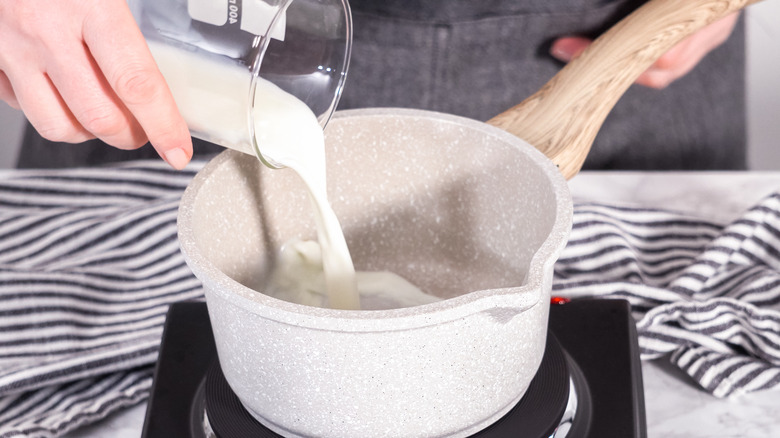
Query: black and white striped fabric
x=708 y=294
x=89 y=263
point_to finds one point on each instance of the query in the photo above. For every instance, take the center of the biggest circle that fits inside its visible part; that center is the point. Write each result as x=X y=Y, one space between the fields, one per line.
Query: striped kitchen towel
x=89 y=263
x=707 y=294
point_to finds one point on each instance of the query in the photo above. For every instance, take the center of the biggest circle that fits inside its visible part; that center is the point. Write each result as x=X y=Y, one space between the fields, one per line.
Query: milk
x=213 y=97
x=299 y=278
x=212 y=94
x=288 y=134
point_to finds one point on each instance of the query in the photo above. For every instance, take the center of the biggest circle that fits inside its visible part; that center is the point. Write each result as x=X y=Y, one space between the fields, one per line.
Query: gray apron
x=477 y=58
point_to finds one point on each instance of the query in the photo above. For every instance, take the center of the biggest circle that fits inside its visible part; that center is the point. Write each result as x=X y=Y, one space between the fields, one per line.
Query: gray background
x=763 y=94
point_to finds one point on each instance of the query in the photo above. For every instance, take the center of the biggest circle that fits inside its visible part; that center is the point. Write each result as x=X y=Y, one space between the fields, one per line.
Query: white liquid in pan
x=299 y=278
x=288 y=134
x=209 y=94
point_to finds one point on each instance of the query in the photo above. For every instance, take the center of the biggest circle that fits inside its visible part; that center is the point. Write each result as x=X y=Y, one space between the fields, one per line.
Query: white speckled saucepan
x=463 y=209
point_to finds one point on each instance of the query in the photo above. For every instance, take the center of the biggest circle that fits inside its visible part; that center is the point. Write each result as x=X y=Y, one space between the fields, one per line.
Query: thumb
x=567 y=48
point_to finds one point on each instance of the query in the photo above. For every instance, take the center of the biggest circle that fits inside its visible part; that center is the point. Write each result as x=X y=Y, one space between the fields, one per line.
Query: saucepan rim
x=520 y=298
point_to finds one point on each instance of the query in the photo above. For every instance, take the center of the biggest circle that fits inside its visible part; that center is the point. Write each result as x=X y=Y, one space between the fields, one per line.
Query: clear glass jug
x=213 y=53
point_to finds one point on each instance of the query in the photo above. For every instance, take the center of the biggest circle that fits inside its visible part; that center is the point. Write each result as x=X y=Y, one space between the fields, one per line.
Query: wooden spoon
x=564 y=116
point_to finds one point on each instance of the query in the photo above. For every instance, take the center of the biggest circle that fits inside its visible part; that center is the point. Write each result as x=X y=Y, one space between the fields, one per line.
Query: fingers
x=683 y=57
x=27 y=36
x=91 y=100
x=80 y=69
x=7 y=92
x=120 y=51
x=676 y=63
x=45 y=109
x=567 y=48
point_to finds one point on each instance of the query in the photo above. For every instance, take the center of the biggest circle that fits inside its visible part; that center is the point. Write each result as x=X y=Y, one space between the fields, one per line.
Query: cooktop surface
x=589 y=383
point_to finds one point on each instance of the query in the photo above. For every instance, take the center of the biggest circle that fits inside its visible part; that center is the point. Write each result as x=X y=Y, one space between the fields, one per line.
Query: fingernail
x=567 y=48
x=177 y=158
x=560 y=53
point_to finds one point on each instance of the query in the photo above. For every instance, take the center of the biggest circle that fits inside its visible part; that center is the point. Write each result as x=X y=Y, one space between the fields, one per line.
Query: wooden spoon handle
x=564 y=116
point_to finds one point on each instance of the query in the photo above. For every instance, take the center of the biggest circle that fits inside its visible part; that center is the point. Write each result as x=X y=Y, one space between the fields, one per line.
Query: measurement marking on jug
x=232 y=11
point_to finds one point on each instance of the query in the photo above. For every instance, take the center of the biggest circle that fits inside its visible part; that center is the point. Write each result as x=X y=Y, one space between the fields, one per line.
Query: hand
x=80 y=69
x=674 y=64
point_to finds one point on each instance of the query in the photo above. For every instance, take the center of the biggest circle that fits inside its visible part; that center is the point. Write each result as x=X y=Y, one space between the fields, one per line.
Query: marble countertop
x=675 y=406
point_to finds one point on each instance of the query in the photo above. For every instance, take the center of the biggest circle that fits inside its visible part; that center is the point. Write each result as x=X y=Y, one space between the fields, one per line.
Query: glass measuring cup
x=214 y=53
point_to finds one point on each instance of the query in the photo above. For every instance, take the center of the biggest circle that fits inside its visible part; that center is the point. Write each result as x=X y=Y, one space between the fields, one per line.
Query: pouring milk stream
x=289 y=135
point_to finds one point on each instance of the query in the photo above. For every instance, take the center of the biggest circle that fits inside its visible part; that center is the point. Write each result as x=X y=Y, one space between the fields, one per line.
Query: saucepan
x=467 y=211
